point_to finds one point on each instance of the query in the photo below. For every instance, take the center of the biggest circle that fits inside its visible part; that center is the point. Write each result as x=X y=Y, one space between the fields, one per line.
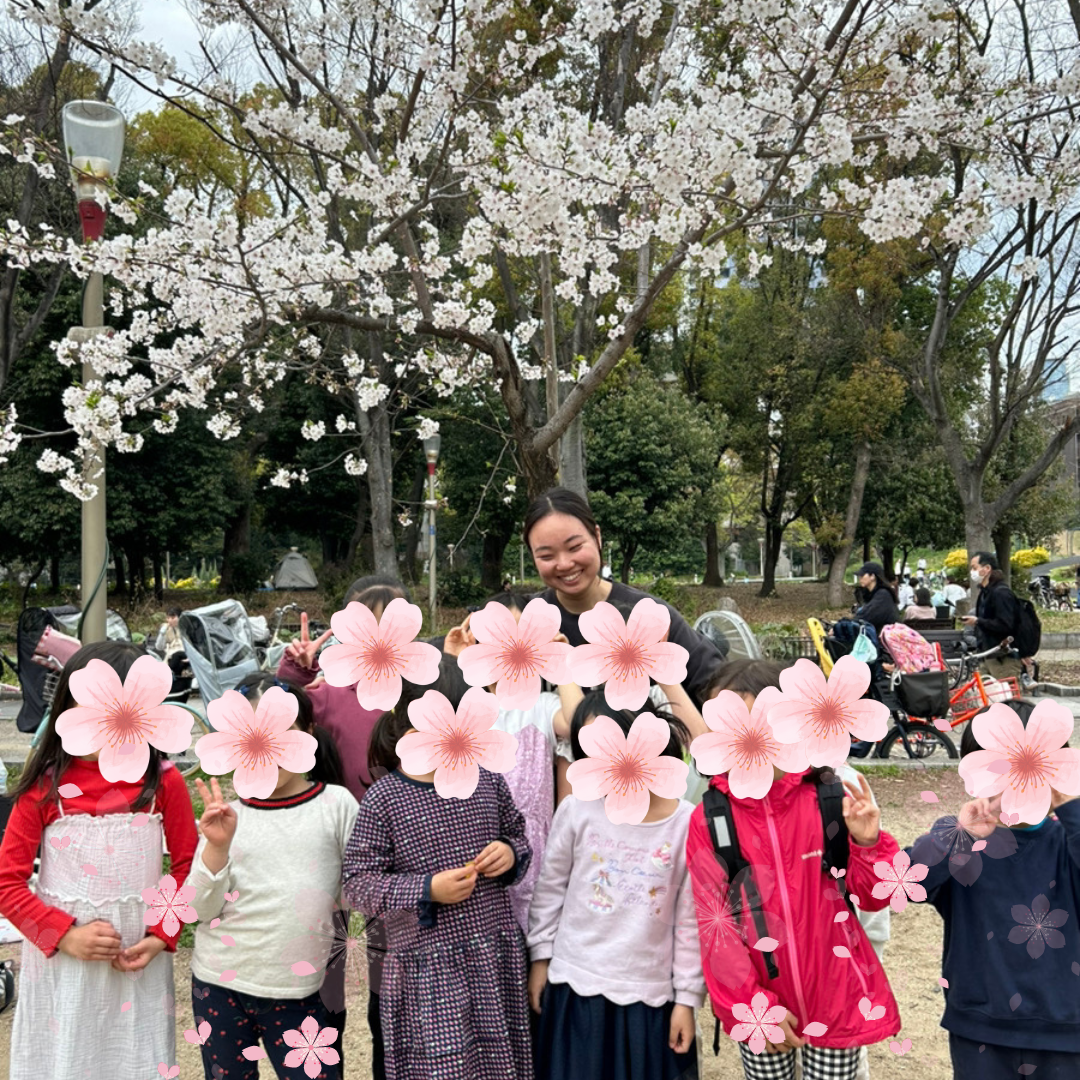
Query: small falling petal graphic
x=900 y=1048
x=69 y=791
x=928 y=796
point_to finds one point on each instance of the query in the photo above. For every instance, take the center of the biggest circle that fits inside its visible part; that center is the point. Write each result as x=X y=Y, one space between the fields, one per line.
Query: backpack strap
x=835 y=849
x=721 y=826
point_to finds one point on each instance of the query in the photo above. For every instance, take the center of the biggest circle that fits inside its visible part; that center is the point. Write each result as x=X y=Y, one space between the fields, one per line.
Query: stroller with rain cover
x=731 y=634
x=220 y=645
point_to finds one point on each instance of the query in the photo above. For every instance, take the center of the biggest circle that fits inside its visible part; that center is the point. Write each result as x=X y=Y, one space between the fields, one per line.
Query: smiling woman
x=565 y=541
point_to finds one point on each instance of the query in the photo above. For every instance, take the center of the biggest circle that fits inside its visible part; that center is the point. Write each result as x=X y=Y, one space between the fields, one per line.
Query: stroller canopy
x=294 y=572
x=731 y=634
x=219 y=646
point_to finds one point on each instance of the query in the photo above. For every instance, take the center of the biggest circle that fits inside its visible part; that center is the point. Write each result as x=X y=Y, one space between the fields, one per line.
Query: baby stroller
x=220 y=647
x=731 y=634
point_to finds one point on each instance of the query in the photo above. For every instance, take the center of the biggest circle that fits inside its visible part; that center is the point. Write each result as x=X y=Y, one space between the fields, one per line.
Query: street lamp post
x=431 y=451
x=94 y=139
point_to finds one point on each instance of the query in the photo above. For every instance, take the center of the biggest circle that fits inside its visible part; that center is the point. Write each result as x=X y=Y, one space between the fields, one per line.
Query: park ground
x=912 y=958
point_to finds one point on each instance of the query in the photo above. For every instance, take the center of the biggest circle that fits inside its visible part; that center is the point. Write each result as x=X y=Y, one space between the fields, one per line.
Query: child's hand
x=140 y=954
x=218 y=821
x=496 y=859
x=538 y=980
x=980 y=817
x=862 y=817
x=791 y=1040
x=304 y=651
x=453 y=886
x=681 y=1032
x=460 y=638
x=97 y=940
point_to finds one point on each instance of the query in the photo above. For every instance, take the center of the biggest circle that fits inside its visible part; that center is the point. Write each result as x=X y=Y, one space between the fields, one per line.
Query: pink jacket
x=337 y=710
x=781 y=836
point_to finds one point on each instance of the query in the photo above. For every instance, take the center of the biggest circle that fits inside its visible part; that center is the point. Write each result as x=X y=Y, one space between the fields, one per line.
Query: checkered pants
x=818 y=1063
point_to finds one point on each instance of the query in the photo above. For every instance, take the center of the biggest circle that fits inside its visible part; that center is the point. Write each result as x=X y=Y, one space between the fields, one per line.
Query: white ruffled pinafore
x=70 y=1023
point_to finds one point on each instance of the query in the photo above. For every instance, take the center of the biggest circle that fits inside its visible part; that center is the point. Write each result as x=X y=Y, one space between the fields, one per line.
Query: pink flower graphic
x=312 y=1046
x=455 y=745
x=625 y=655
x=169 y=905
x=900 y=880
x=1023 y=764
x=123 y=720
x=623 y=769
x=758 y=1023
x=741 y=743
x=824 y=715
x=514 y=655
x=374 y=656
x=1038 y=926
x=253 y=743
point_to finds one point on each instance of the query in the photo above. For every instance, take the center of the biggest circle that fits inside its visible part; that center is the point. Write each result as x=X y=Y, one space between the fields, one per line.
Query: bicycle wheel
x=917 y=740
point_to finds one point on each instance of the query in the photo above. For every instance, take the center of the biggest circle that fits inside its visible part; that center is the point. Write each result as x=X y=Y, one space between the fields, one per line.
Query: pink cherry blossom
x=1022 y=764
x=759 y=1023
x=1038 y=926
x=741 y=743
x=312 y=1046
x=455 y=745
x=623 y=769
x=824 y=715
x=900 y=881
x=375 y=655
x=121 y=721
x=169 y=905
x=253 y=744
x=624 y=656
x=514 y=655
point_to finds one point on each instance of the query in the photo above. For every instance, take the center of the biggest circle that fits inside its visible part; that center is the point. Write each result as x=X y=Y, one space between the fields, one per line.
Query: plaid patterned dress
x=452 y=993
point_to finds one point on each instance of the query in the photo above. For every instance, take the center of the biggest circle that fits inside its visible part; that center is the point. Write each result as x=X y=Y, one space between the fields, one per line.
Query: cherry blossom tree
x=471 y=190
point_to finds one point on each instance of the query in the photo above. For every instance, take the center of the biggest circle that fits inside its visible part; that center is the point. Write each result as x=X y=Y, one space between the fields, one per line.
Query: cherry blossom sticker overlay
x=623 y=769
x=374 y=655
x=824 y=715
x=120 y=721
x=169 y=905
x=741 y=743
x=625 y=655
x=253 y=743
x=758 y=1023
x=900 y=881
x=313 y=1048
x=454 y=745
x=515 y=655
x=1038 y=926
x=1021 y=763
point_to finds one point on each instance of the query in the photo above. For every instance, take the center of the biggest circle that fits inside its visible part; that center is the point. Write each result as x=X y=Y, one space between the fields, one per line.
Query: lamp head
x=94 y=138
x=431 y=448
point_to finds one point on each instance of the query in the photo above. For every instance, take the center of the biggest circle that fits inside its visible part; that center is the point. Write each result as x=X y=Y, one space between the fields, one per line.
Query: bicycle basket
x=1001 y=689
x=924 y=694
x=969 y=700
x=48 y=690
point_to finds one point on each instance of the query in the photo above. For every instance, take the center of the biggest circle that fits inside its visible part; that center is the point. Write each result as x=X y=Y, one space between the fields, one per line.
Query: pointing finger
x=305 y=637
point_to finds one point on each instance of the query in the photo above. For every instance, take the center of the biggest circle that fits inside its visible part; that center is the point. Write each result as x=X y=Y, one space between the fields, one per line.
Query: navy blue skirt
x=592 y=1037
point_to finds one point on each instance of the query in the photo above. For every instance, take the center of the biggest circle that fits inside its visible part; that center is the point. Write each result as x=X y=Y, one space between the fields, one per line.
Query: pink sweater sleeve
x=730 y=975
x=861 y=877
x=686 y=975
x=551 y=886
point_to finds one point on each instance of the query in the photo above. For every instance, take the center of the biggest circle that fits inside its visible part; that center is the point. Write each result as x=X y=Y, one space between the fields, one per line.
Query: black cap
x=874 y=568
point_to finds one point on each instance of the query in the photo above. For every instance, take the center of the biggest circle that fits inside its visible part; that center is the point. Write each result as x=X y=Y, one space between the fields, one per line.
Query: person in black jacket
x=997 y=613
x=878 y=606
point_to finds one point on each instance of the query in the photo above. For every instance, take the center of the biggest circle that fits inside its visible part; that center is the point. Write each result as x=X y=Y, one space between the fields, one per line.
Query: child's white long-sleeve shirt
x=283 y=881
x=613 y=909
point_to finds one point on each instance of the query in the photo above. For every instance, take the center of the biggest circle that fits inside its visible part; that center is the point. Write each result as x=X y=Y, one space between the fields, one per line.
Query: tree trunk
x=714 y=572
x=374 y=426
x=30 y=582
x=412 y=533
x=491 y=560
x=888 y=557
x=774 y=539
x=837 y=568
x=361 y=523
x=627 y=558
x=866 y=552
x=54 y=573
x=1003 y=551
x=121 y=578
x=978 y=535
x=539 y=468
x=159 y=579
x=136 y=574
x=237 y=542
x=572 y=464
x=903 y=561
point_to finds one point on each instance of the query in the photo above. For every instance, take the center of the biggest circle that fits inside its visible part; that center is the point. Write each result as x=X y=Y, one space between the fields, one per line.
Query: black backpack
x=721 y=826
x=1028 y=635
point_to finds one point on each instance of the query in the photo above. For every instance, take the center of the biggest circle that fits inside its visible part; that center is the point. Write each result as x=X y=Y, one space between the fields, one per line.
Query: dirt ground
x=912 y=960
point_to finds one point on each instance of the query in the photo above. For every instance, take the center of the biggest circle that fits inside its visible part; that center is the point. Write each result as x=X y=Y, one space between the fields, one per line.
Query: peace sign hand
x=304 y=651
x=459 y=639
x=861 y=816
x=218 y=821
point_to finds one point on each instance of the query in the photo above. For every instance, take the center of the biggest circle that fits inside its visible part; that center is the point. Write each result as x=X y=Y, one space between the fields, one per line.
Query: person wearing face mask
x=997 y=613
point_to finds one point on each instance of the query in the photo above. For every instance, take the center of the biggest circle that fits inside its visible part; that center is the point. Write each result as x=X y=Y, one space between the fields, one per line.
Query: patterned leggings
x=240 y=1020
x=818 y=1063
